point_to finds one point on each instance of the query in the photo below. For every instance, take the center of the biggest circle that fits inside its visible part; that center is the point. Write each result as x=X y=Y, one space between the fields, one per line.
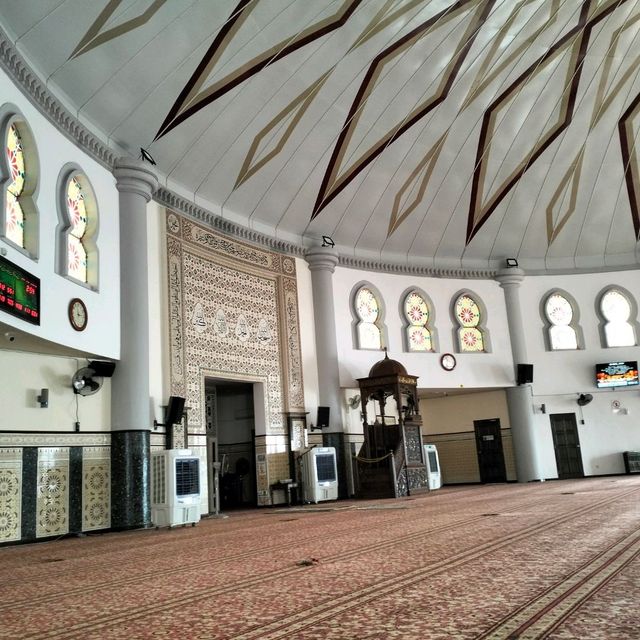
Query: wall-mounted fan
x=353 y=402
x=584 y=399
x=86 y=382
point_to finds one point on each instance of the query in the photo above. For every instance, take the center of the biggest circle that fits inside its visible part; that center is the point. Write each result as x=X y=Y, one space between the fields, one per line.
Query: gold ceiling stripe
x=379 y=22
x=93 y=38
x=334 y=183
x=192 y=98
x=298 y=107
x=424 y=167
x=483 y=208
x=602 y=104
x=570 y=182
x=478 y=86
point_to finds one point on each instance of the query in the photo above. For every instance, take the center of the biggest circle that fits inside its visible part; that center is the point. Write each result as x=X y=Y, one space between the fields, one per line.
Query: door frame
x=578 y=446
x=498 y=434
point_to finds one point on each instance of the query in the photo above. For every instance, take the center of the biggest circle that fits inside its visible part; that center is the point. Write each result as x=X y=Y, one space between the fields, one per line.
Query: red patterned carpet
x=554 y=560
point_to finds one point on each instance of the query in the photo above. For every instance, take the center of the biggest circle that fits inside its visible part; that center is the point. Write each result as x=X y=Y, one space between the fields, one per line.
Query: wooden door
x=489 y=448
x=566 y=444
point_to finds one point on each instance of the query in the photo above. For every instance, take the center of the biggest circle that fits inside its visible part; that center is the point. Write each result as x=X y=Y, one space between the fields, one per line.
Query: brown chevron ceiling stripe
x=180 y=112
x=479 y=214
x=630 y=159
x=331 y=185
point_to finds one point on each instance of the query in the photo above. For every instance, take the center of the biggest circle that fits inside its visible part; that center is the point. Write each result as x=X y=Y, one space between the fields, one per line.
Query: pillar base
x=130 y=480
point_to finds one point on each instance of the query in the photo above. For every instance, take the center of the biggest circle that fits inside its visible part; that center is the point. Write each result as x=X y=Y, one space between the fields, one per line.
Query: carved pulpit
x=391 y=462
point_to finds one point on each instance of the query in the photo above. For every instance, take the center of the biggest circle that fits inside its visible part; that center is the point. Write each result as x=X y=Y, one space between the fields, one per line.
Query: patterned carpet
x=554 y=560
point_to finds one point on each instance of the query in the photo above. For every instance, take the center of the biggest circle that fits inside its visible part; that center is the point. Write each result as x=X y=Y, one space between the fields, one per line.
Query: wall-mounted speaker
x=525 y=373
x=323 y=417
x=175 y=409
x=103 y=368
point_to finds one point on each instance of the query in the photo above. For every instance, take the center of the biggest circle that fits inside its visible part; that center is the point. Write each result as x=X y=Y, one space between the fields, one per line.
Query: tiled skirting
x=53 y=484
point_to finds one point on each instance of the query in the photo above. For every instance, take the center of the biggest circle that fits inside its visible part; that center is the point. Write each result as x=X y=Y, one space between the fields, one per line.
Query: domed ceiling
x=423 y=132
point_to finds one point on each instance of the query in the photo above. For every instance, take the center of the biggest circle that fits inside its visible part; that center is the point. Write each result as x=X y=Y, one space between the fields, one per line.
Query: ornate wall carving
x=233 y=313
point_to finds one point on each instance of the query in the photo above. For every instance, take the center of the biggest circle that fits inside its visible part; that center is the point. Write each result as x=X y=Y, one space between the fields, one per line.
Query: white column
x=519 y=398
x=322 y=263
x=130 y=408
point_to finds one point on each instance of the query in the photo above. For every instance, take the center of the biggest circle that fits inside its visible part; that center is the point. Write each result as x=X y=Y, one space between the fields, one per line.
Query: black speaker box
x=525 y=373
x=175 y=409
x=323 y=417
x=103 y=368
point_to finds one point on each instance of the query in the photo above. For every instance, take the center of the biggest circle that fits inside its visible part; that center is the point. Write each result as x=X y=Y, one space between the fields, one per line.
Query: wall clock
x=448 y=362
x=78 y=316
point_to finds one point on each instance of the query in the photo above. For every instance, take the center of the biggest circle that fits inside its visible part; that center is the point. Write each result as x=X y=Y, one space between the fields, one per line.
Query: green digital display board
x=19 y=292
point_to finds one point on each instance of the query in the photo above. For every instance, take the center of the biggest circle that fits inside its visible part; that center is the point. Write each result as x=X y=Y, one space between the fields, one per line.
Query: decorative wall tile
x=96 y=488
x=52 y=502
x=8 y=439
x=10 y=494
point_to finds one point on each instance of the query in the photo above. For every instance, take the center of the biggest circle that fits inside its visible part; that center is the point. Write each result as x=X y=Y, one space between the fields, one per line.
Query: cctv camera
x=9 y=337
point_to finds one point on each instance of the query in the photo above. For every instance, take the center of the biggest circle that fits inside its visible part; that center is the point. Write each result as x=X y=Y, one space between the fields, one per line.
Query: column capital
x=321 y=258
x=510 y=276
x=135 y=176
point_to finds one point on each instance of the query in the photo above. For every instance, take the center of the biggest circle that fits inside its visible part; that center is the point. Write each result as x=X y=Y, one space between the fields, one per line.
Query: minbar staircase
x=391 y=461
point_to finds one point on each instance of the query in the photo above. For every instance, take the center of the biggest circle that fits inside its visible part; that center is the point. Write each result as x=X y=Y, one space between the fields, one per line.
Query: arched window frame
x=406 y=324
x=379 y=322
x=574 y=324
x=89 y=239
x=632 y=321
x=10 y=115
x=481 y=326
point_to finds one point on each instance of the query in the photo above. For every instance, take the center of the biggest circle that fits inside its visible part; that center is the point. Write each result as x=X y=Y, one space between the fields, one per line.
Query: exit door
x=566 y=444
x=489 y=448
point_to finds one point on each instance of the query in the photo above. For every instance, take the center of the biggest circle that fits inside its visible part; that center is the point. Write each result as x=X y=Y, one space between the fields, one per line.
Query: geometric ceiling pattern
x=424 y=132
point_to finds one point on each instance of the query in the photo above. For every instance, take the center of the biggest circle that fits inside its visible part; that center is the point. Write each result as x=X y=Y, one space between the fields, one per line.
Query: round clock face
x=448 y=362
x=78 y=314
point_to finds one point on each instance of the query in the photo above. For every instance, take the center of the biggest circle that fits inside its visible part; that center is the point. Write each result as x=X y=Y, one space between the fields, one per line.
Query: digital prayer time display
x=19 y=292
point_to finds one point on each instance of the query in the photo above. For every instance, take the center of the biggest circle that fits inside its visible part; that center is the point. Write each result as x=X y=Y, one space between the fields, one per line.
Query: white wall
x=560 y=376
x=102 y=335
x=23 y=375
x=493 y=369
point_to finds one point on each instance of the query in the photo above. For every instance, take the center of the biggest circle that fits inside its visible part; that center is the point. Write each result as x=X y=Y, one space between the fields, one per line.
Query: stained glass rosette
x=558 y=310
x=76 y=253
x=615 y=307
x=471 y=339
x=419 y=339
x=467 y=312
x=367 y=306
x=416 y=310
x=368 y=336
x=14 y=226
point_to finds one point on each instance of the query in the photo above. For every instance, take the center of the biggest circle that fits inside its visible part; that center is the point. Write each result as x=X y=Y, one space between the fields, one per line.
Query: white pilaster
x=322 y=263
x=130 y=408
x=519 y=398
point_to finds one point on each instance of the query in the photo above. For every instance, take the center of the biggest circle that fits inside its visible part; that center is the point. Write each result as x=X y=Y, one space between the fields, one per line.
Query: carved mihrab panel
x=233 y=311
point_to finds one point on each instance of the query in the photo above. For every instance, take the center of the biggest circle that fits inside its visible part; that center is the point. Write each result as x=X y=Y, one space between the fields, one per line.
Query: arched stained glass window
x=14 y=218
x=367 y=310
x=468 y=316
x=616 y=310
x=76 y=252
x=78 y=228
x=559 y=314
x=19 y=172
x=416 y=312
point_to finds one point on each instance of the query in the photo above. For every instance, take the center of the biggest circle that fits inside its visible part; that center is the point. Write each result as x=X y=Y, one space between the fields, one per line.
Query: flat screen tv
x=617 y=374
